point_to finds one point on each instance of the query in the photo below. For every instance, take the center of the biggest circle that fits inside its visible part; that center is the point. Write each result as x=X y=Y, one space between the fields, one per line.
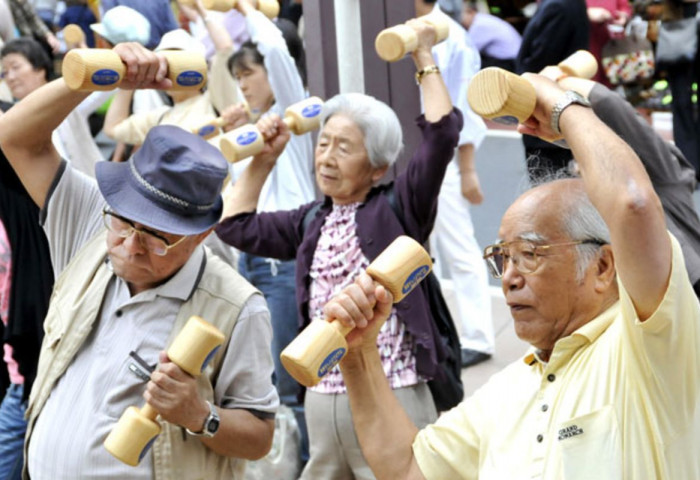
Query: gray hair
x=580 y=220
x=378 y=123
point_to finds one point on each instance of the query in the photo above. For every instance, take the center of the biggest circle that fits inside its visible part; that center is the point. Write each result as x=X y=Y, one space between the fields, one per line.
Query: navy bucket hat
x=172 y=183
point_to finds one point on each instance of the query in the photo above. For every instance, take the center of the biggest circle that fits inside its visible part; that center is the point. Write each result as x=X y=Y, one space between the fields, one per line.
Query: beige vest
x=75 y=303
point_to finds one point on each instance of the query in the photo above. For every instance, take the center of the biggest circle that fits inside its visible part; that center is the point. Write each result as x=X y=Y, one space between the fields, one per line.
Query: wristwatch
x=570 y=97
x=211 y=424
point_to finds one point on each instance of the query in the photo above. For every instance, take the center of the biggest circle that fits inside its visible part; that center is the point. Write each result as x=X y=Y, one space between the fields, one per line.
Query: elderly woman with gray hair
x=335 y=239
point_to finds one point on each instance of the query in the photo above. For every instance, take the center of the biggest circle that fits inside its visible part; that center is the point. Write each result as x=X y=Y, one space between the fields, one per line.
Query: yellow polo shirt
x=618 y=400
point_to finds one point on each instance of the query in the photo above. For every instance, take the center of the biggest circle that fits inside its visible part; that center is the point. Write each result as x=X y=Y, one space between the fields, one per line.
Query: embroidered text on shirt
x=569 y=432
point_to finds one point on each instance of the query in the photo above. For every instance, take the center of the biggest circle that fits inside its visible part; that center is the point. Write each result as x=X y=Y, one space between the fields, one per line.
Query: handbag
x=629 y=59
x=677 y=42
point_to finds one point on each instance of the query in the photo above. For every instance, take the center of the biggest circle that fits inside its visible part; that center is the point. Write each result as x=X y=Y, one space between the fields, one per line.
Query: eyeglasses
x=525 y=255
x=150 y=240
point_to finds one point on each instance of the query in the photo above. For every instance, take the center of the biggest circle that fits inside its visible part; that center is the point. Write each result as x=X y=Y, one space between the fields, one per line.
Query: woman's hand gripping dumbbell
x=393 y=43
x=322 y=344
x=246 y=141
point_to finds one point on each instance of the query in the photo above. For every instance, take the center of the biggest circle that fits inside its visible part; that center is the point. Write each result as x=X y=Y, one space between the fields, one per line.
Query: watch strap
x=205 y=431
x=570 y=97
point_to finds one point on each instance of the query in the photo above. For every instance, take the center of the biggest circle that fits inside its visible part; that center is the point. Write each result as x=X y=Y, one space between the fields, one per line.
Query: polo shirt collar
x=587 y=333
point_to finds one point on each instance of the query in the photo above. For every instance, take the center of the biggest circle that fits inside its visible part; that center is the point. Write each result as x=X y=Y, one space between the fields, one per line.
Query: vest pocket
x=591 y=446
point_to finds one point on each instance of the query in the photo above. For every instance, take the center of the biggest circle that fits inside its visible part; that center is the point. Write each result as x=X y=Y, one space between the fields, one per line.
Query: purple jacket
x=280 y=234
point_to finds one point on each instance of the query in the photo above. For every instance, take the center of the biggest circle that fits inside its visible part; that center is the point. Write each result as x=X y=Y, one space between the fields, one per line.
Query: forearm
x=465 y=156
x=383 y=428
x=218 y=34
x=621 y=191
x=32 y=120
x=241 y=435
x=118 y=111
x=436 y=98
x=243 y=195
x=25 y=135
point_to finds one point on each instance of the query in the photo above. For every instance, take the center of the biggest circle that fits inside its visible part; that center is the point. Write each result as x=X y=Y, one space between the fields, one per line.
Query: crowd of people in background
x=119 y=220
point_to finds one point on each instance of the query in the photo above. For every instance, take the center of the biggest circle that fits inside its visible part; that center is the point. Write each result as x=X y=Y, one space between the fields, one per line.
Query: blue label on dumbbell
x=105 y=76
x=311 y=111
x=415 y=278
x=146 y=448
x=206 y=130
x=246 y=138
x=506 y=120
x=330 y=361
x=209 y=357
x=189 y=78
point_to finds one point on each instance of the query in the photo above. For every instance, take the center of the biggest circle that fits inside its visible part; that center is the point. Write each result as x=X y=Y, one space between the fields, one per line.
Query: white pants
x=459 y=257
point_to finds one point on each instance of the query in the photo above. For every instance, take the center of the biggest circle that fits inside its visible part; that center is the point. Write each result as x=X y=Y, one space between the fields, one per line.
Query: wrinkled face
x=343 y=171
x=551 y=302
x=21 y=77
x=143 y=269
x=252 y=80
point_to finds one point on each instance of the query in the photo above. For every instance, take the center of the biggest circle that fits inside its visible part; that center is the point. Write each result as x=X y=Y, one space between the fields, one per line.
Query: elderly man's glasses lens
x=524 y=255
x=151 y=241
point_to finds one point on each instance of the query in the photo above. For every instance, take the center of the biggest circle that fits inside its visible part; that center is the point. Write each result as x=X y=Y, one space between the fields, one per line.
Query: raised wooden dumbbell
x=247 y=140
x=394 y=43
x=192 y=349
x=269 y=8
x=508 y=98
x=73 y=35
x=317 y=349
x=211 y=129
x=90 y=69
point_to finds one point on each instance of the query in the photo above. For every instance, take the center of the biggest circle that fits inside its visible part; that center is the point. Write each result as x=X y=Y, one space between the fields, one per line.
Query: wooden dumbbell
x=211 y=129
x=73 y=35
x=394 y=43
x=245 y=141
x=136 y=430
x=269 y=8
x=507 y=98
x=90 y=69
x=317 y=349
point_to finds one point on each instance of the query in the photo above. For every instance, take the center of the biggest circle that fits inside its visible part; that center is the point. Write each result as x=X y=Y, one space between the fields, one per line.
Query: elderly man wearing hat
x=130 y=270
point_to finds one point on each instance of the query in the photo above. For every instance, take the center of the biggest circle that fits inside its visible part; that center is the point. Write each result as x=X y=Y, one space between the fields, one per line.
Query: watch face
x=213 y=425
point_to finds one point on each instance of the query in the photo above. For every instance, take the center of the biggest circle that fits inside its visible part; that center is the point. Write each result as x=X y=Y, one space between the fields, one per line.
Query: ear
x=379 y=173
x=605 y=274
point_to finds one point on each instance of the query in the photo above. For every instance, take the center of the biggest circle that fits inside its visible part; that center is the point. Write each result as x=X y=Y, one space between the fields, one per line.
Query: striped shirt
x=337 y=261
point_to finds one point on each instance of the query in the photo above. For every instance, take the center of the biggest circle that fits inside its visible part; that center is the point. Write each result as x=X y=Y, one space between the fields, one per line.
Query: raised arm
x=383 y=428
x=243 y=195
x=25 y=131
x=619 y=188
x=436 y=98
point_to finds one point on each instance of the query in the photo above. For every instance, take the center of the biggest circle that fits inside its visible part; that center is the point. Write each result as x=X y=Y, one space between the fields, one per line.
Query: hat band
x=166 y=196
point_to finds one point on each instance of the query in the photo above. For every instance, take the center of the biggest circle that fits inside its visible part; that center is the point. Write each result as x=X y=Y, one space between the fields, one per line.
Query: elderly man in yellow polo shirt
x=598 y=287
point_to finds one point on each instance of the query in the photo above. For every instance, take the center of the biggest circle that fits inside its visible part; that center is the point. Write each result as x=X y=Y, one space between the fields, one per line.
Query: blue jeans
x=12 y=430
x=275 y=279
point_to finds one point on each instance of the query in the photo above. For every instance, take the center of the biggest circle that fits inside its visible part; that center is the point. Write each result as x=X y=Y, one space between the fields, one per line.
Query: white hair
x=378 y=123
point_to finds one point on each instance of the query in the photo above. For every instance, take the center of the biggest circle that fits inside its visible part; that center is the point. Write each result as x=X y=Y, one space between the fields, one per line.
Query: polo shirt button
x=540 y=438
x=551 y=377
x=545 y=408
x=118 y=313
